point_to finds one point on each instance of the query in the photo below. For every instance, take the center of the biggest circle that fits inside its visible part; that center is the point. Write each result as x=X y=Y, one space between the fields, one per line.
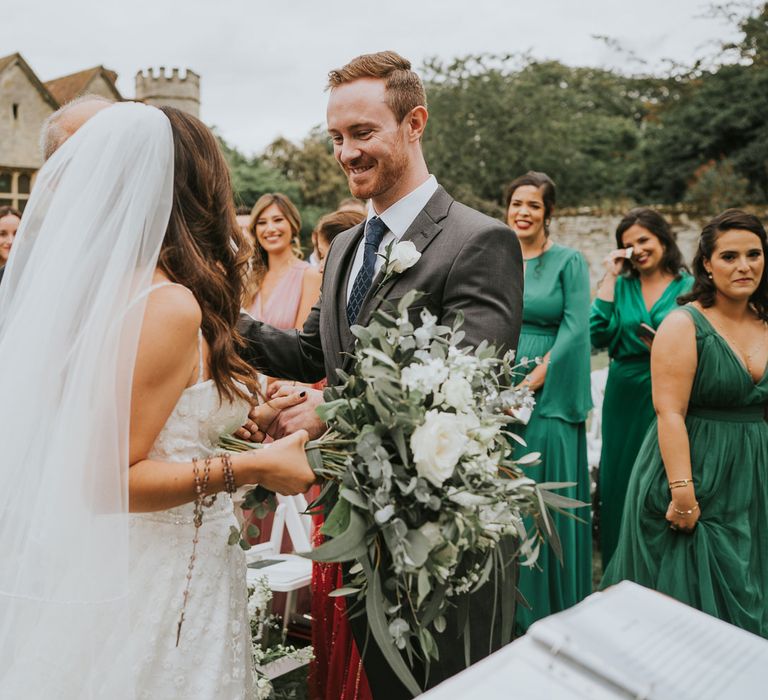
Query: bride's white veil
x=71 y=305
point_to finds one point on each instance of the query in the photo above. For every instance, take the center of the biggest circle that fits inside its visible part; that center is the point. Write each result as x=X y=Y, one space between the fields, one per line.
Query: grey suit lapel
x=337 y=291
x=424 y=229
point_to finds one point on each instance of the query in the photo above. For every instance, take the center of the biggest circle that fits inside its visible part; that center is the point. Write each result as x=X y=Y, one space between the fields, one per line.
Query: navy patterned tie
x=374 y=233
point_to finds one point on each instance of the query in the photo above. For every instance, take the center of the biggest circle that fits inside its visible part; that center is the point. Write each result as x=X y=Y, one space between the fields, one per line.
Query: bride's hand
x=262 y=417
x=284 y=467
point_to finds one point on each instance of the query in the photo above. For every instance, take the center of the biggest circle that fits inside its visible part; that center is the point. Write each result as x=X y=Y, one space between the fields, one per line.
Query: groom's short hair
x=404 y=87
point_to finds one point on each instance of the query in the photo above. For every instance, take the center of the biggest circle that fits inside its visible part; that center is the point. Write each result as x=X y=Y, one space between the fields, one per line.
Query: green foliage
x=312 y=167
x=253 y=177
x=493 y=119
x=715 y=187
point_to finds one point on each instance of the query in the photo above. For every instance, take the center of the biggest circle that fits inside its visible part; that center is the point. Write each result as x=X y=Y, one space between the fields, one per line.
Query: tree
x=312 y=167
x=253 y=177
x=493 y=118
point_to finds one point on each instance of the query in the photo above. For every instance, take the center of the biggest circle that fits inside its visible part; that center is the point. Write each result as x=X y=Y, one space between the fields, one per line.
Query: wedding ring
x=672 y=526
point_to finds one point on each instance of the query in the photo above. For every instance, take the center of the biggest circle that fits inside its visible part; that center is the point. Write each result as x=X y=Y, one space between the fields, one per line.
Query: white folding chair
x=598 y=379
x=285 y=572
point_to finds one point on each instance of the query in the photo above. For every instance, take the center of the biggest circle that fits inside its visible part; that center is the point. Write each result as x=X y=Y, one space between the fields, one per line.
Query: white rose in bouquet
x=402 y=256
x=457 y=393
x=438 y=445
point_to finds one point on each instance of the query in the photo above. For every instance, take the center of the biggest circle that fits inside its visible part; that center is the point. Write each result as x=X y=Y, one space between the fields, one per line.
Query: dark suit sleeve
x=486 y=284
x=287 y=354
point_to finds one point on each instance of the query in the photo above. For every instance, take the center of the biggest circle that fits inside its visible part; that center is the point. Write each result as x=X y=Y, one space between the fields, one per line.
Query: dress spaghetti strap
x=199 y=356
x=158 y=285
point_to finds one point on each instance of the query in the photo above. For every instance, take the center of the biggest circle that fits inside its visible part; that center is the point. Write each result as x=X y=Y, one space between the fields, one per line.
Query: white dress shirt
x=397 y=220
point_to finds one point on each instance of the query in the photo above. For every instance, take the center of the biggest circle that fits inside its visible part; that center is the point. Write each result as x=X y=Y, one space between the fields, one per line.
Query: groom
x=469 y=263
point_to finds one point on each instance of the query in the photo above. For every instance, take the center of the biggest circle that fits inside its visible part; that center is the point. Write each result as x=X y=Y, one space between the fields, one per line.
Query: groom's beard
x=385 y=173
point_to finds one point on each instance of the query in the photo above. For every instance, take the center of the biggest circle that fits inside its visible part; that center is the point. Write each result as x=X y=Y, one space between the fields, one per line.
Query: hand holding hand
x=263 y=417
x=298 y=416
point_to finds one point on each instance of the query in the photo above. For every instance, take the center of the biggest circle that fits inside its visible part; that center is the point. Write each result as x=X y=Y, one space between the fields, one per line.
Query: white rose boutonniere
x=401 y=256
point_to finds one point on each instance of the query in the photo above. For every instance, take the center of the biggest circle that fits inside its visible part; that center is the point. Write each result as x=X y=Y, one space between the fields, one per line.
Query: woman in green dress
x=696 y=520
x=556 y=329
x=644 y=277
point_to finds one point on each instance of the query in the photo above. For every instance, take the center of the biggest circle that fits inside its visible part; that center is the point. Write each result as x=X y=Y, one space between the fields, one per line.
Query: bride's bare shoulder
x=174 y=304
x=172 y=318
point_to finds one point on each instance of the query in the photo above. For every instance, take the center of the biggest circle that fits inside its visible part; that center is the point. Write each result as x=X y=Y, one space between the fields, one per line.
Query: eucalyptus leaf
x=234 y=535
x=530 y=458
x=379 y=627
x=338 y=519
x=341 y=592
x=349 y=545
x=354 y=498
x=423 y=586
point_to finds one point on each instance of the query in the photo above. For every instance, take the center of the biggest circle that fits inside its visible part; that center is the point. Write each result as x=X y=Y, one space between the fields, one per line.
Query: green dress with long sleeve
x=627 y=404
x=722 y=567
x=556 y=321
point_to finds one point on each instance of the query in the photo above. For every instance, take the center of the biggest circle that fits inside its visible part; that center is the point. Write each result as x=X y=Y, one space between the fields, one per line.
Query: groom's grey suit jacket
x=469 y=262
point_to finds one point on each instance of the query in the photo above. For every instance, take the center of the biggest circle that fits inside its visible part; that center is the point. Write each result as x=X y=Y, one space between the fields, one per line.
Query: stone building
x=170 y=90
x=26 y=101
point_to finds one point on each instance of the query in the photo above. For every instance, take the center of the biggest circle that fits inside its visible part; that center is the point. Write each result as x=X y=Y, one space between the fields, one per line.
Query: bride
x=118 y=374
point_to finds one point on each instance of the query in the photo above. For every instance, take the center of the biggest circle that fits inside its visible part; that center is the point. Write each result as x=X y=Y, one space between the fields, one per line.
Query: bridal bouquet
x=422 y=485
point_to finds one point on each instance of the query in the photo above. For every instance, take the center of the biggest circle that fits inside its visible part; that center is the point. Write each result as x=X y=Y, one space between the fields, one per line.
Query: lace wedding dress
x=213 y=657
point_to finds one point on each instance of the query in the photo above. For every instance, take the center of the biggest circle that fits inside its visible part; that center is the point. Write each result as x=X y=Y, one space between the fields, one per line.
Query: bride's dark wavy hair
x=204 y=248
x=704 y=289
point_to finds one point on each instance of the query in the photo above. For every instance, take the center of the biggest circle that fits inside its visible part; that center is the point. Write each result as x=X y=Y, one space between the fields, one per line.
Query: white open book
x=625 y=642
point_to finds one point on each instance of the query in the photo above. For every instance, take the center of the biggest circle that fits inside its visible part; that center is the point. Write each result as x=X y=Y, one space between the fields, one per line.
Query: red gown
x=337 y=672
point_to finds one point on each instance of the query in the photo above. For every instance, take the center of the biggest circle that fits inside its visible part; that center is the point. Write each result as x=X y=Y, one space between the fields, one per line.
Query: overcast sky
x=263 y=62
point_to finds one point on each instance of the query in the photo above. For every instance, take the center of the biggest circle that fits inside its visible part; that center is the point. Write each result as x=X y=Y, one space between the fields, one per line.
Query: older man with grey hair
x=66 y=120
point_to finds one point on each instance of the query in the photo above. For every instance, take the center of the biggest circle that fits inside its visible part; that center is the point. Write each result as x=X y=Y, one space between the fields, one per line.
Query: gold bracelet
x=679 y=483
x=686 y=513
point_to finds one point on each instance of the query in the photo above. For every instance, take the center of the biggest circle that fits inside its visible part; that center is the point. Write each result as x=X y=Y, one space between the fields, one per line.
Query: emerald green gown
x=627 y=405
x=556 y=320
x=722 y=567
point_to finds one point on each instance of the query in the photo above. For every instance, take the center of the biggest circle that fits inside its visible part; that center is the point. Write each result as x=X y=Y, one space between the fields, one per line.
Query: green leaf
x=349 y=545
x=234 y=536
x=338 y=519
x=340 y=592
x=252 y=531
x=377 y=621
x=354 y=498
x=423 y=585
x=418 y=547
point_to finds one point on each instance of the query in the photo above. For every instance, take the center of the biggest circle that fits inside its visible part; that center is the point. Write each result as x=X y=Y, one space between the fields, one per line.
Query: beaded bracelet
x=686 y=513
x=229 y=475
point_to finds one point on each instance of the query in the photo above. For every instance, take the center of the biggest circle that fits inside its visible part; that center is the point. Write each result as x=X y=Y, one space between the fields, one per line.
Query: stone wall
x=593 y=233
x=20 y=127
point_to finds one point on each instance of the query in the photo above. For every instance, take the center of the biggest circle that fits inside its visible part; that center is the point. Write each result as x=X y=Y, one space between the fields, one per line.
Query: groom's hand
x=298 y=417
x=262 y=418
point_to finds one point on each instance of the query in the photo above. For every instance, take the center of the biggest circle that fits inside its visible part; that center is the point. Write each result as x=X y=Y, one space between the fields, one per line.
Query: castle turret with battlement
x=169 y=89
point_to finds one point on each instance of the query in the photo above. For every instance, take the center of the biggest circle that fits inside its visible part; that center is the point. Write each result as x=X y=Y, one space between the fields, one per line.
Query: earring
x=709 y=274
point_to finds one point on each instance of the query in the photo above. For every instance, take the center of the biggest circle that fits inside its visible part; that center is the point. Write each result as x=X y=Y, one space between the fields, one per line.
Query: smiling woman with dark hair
x=556 y=329
x=644 y=276
x=696 y=520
